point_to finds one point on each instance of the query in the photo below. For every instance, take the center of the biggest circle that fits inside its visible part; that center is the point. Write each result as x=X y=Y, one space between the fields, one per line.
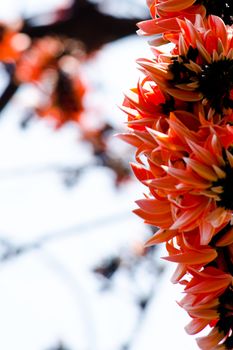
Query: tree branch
x=12 y=250
x=7 y=94
x=84 y=22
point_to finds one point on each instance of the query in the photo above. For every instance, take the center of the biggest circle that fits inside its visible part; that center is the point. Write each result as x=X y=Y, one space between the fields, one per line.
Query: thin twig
x=7 y=94
x=38 y=169
x=71 y=282
x=14 y=251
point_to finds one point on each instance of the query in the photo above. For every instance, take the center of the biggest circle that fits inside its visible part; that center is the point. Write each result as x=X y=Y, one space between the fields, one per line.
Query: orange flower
x=149 y=106
x=145 y=105
x=201 y=66
x=166 y=12
x=198 y=186
x=191 y=166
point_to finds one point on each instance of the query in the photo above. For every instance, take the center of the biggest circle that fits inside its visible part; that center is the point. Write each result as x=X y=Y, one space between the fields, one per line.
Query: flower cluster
x=180 y=119
x=49 y=64
x=52 y=64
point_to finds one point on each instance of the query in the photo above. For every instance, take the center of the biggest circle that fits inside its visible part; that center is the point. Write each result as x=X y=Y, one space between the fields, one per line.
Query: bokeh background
x=74 y=273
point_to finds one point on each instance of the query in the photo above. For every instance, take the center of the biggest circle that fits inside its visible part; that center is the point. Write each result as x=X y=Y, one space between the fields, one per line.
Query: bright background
x=50 y=295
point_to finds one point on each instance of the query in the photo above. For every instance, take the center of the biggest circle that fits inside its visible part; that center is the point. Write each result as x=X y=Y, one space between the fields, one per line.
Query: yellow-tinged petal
x=218 y=217
x=190 y=96
x=210 y=285
x=174 y=5
x=154 y=68
x=230 y=158
x=227 y=239
x=230 y=54
x=205 y=314
x=193 y=66
x=164 y=183
x=141 y=172
x=205 y=54
x=179 y=273
x=154 y=206
x=163 y=221
x=210 y=341
x=164 y=140
x=215 y=55
x=161 y=236
x=182 y=46
x=132 y=139
x=132 y=97
x=187 y=86
x=145 y=137
x=196 y=325
x=186 y=177
x=189 y=217
x=193 y=257
x=220 y=173
x=217 y=189
x=206 y=232
x=204 y=305
x=204 y=171
x=201 y=153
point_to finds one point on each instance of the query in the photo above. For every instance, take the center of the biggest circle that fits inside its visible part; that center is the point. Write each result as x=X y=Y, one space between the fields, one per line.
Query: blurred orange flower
x=40 y=56
x=65 y=103
x=12 y=43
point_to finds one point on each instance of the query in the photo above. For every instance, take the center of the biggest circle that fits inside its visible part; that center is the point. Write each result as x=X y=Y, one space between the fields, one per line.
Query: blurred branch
x=35 y=170
x=72 y=173
x=79 y=295
x=144 y=305
x=86 y=23
x=60 y=346
x=14 y=250
x=8 y=93
x=10 y=89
